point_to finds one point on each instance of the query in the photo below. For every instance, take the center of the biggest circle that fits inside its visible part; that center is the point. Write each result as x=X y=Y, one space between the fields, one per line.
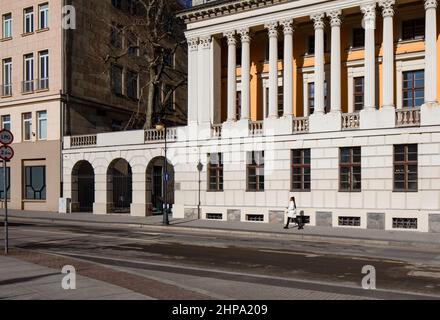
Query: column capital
x=288 y=26
x=431 y=4
x=387 y=7
x=272 y=27
x=230 y=36
x=205 y=42
x=244 y=34
x=318 y=20
x=335 y=18
x=369 y=11
x=193 y=43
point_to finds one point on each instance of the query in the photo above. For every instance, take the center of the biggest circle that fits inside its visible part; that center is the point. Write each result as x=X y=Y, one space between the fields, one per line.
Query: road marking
x=424 y=274
x=307 y=255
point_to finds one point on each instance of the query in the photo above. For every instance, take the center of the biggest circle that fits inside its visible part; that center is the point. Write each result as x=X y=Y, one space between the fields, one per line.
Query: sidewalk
x=21 y=280
x=310 y=233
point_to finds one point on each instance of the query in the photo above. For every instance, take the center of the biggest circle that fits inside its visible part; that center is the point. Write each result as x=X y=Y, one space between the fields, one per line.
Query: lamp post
x=162 y=128
x=199 y=169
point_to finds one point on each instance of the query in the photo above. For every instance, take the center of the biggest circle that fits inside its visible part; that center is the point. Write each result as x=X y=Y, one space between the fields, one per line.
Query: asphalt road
x=224 y=267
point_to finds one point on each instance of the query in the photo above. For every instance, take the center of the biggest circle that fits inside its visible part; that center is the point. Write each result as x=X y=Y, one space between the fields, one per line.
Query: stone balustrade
x=83 y=141
x=408 y=117
x=301 y=125
x=351 y=121
x=256 y=128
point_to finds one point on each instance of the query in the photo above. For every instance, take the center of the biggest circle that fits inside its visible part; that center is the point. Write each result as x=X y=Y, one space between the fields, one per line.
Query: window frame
x=413 y=89
x=254 y=166
x=43 y=8
x=28 y=13
x=218 y=170
x=3 y=121
x=10 y=24
x=303 y=165
x=358 y=94
x=350 y=165
x=43 y=191
x=25 y=121
x=8 y=180
x=39 y=119
x=7 y=73
x=405 y=163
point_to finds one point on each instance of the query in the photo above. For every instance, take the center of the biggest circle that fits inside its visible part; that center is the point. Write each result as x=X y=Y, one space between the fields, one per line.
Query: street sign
x=6 y=153
x=6 y=137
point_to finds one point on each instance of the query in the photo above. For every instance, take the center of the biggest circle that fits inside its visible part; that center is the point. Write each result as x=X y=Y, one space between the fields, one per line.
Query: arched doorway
x=155 y=186
x=119 y=186
x=83 y=187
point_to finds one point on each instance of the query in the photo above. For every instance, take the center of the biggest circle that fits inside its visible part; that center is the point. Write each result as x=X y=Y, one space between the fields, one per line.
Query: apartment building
x=334 y=102
x=55 y=80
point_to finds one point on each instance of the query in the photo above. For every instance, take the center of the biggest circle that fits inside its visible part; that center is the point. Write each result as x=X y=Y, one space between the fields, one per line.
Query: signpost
x=6 y=154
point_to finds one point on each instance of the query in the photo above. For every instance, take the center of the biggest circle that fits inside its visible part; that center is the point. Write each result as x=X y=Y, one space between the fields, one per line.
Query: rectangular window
x=116 y=79
x=215 y=172
x=27 y=126
x=42 y=125
x=358 y=38
x=7 y=77
x=44 y=16
x=7 y=26
x=131 y=83
x=358 y=93
x=311 y=97
x=238 y=106
x=280 y=102
x=413 y=29
x=301 y=170
x=350 y=169
x=6 y=122
x=28 y=20
x=413 y=88
x=255 y=171
x=406 y=168
x=2 y=183
x=43 y=82
x=132 y=44
x=28 y=83
x=116 y=35
x=35 y=182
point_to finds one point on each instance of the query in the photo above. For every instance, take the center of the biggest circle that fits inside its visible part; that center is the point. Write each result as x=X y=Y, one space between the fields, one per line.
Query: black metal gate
x=157 y=198
x=86 y=192
x=122 y=193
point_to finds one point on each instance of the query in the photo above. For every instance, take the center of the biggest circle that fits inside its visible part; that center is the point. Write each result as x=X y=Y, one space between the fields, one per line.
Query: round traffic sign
x=6 y=137
x=6 y=153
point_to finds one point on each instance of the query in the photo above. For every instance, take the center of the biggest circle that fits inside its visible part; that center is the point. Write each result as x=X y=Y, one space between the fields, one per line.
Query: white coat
x=291 y=210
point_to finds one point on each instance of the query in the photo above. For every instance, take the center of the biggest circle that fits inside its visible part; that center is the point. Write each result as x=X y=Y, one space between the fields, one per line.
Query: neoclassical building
x=334 y=102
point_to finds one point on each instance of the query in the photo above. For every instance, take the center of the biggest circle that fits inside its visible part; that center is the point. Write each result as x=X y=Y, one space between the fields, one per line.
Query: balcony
x=27 y=86
x=351 y=121
x=6 y=90
x=42 y=84
x=83 y=141
x=157 y=135
x=408 y=117
x=301 y=125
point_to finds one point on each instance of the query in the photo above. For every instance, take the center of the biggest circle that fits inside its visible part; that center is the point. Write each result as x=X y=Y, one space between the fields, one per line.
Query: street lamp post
x=162 y=127
x=199 y=169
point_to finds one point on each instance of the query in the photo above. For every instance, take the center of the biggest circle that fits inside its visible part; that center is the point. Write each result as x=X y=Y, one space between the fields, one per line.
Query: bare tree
x=159 y=38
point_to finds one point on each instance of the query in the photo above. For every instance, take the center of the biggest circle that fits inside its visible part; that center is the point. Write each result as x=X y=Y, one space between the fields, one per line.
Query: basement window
x=214 y=216
x=255 y=217
x=349 y=221
x=404 y=223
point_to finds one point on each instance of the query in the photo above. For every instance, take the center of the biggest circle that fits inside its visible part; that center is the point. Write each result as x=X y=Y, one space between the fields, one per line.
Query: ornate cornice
x=272 y=27
x=230 y=36
x=288 y=26
x=387 y=7
x=335 y=18
x=431 y=4
x=205 y=42
x=193 y=43
x=221 y=8
x=244 y=34
x=369 y=11
x=318 y=20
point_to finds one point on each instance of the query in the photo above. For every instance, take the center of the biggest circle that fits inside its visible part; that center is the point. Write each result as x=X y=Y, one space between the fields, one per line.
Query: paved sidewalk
x=21 y=280
x=342 y=234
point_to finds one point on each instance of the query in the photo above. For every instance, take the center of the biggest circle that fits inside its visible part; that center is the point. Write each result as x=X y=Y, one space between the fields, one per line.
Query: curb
x=257 y=234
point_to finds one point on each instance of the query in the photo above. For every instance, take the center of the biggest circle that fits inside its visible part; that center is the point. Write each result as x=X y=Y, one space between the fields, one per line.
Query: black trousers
x=298 y=221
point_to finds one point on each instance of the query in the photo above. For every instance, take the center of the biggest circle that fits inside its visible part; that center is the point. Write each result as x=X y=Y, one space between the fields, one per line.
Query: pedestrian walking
x=291 y=212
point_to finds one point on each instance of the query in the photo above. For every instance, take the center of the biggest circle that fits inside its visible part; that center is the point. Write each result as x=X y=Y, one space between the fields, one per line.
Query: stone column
x=388 y=53
x=205 y=89
x=288 y=67
x=232 y=75
x=193 y=44
x=139 y=206
x=245 y=73
x=369 y=11
x=431 y=52
x=319 y=25
x=273 y=69
x=335 y=82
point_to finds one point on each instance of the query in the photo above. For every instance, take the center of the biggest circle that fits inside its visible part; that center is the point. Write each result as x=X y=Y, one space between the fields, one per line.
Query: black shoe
x=286 y=227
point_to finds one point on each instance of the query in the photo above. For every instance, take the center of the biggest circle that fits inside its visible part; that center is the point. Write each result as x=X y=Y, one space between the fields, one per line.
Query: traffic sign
x=6 y=153
x=6 y=137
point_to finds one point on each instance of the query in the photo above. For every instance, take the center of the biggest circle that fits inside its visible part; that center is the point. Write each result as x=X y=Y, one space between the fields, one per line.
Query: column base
x=278 y=126
x=378 y=119
x=430 y=114
x=141 y=210
x=235 y=129
x=325 y=122
x=101 y=208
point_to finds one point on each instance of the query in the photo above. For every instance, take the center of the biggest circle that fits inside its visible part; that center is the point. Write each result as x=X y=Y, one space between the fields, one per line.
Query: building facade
x=333 y=102
x=55 y=81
